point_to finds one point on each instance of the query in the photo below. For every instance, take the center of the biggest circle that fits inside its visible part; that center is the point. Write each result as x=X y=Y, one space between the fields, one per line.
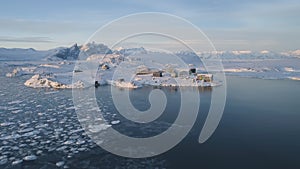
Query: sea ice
x=6 y=124
x=115 y=122
x=30 y=158
x=60 y=163
x=17 y=162
x=3 y=161
x=98 y=128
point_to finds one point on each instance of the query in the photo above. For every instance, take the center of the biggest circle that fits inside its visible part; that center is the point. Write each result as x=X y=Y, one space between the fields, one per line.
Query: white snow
x=129 y=85
x=264 y=52
x=37 y=81
x=50 y=65
x=241 y=52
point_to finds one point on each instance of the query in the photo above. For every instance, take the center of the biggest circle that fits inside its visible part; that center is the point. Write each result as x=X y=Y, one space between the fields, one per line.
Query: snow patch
x=50 y=65
x=19 y=71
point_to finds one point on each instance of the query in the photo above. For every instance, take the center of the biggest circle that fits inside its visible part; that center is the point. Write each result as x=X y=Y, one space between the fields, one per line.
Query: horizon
x=230 y=25
x=223 y=51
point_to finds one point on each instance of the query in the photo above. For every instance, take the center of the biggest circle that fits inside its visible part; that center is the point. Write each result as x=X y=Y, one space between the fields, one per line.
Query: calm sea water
x=260 y=128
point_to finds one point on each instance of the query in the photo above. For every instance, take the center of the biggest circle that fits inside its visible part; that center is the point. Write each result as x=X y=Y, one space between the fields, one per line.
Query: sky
x=230 y=24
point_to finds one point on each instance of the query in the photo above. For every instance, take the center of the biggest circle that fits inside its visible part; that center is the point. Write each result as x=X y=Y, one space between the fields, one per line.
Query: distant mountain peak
x=130 y=51
x=65 y=53
x=95 y=48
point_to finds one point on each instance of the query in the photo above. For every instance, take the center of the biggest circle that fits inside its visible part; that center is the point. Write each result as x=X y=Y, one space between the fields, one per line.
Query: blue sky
x=230 y=24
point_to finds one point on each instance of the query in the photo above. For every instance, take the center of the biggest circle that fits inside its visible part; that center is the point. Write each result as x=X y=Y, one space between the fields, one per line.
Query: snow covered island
x=137 y=67
x=145 y=76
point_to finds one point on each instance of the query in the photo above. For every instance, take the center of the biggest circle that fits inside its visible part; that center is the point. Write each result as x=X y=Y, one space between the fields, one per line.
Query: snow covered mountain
x=130 y=51
x=73 y=52
x=94 y=49
x=250 y=55
x=20 y=54
x=56 y=54
x=63 y=53
x=189 y=57
x=295 y=53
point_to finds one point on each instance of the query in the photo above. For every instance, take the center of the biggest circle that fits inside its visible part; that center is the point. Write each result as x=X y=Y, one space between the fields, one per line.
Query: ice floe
x=6 y=124
x=115 y=122
x=30 y=158
x=60 y=163
x=18 y=161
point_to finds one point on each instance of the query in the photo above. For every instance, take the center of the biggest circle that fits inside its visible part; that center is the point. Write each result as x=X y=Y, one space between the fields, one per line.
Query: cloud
x=231 y=24
x=25 y=39
x=38 y=26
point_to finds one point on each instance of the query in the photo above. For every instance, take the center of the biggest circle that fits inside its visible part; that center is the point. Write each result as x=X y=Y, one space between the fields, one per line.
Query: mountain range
x=73 y=52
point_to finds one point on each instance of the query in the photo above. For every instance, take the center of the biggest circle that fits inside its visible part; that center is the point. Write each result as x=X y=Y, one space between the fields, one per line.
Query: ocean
x=259 y=128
